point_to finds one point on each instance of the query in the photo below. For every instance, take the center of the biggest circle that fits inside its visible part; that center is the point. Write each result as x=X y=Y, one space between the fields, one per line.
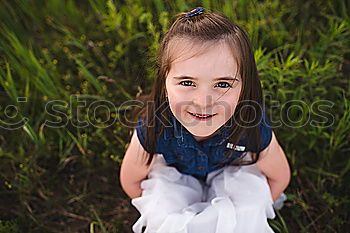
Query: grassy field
x=60 y=61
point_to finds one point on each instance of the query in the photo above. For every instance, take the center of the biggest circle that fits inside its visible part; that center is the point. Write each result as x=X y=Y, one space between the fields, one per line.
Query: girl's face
x=203 y=90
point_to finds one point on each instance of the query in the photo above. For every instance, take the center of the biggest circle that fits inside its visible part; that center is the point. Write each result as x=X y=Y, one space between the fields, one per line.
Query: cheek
x=172 y=98
x=226 y=108
x=228 y=105
x=177 y=103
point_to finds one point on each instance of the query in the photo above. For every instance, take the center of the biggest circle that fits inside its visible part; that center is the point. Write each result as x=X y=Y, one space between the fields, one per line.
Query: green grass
x=62 y=56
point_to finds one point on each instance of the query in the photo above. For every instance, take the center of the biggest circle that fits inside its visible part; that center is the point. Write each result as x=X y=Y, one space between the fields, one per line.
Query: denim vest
x=182 y=151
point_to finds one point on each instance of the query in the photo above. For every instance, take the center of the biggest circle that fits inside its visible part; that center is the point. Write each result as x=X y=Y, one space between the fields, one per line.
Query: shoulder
x=272 y=160
x=273 y=146
x=141 y=132
x=265 y=138
x=135 y=151
x=161 y=140
x=134 y=165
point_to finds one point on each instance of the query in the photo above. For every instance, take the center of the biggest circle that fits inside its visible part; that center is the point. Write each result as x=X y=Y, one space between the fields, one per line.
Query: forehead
x=201 y=58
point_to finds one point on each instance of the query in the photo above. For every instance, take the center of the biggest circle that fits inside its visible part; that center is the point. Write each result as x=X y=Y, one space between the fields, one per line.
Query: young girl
x=203 y=157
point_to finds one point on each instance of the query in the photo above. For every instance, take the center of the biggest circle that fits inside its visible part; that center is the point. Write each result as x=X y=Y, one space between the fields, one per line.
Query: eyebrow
x=226 y=78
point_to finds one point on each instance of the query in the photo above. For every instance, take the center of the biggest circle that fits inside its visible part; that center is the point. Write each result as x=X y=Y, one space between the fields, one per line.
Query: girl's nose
x=203 y=99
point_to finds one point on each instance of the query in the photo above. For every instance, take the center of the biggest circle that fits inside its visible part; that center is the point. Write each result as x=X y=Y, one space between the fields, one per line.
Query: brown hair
x=205 y=29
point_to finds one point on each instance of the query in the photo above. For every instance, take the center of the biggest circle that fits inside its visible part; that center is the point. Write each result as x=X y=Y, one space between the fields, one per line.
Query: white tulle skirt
x=231 y=200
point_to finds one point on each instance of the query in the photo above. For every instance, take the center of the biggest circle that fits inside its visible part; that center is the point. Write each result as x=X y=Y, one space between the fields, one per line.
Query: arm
x=273 y=163
x=134 y=169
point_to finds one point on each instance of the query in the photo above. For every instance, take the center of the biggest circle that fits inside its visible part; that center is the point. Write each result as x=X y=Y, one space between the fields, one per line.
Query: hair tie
x=196 y=11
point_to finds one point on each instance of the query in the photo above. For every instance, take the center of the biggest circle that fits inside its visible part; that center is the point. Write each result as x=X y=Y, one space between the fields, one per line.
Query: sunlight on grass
x=58 y=58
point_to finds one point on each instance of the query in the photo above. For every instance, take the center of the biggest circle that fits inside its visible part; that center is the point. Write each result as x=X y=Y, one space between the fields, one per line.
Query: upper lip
x=201 y=114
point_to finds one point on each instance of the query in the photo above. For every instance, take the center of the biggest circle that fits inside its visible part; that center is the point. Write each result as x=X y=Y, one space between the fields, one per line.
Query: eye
x=223 y=85
x=186 y=83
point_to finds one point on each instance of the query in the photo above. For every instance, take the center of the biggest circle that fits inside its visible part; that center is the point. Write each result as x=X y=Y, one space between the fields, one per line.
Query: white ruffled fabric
x=232 y=200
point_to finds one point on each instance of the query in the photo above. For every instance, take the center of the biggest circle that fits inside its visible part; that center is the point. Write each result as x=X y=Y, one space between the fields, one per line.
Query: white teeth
x=201 y=116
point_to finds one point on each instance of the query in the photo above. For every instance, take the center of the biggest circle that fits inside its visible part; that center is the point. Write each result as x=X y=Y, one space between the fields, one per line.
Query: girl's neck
x=203 y=138
x=200 y=138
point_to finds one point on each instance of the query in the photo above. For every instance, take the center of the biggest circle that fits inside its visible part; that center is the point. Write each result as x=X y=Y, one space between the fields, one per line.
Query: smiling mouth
x=201 y=116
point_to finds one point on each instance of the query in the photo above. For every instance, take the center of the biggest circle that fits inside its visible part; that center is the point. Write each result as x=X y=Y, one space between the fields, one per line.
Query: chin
x=200 y=133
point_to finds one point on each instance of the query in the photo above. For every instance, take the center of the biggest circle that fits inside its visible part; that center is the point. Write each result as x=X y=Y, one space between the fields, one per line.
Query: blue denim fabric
x=182 y=151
